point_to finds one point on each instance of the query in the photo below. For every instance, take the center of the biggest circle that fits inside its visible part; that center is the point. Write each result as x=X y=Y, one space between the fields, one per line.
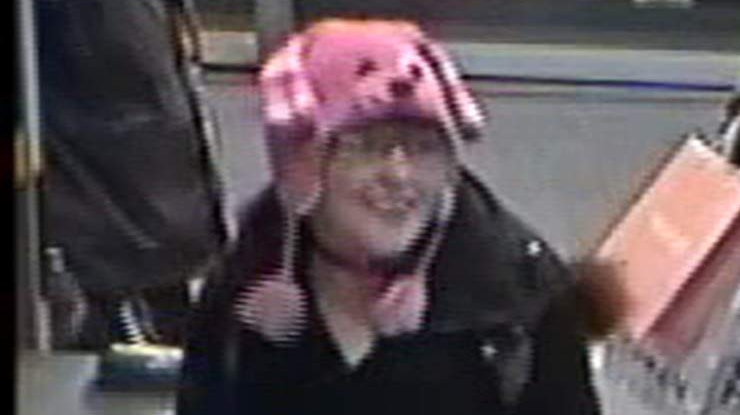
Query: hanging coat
x=131 y=197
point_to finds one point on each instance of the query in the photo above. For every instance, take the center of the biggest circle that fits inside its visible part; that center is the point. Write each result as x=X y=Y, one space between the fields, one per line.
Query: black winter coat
x=502 y=336
x=130 y=187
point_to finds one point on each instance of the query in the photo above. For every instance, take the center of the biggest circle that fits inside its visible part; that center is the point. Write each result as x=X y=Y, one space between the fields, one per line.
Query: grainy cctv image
x=283 y=207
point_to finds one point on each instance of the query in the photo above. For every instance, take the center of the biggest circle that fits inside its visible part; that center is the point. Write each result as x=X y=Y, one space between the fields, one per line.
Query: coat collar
x=491 y=270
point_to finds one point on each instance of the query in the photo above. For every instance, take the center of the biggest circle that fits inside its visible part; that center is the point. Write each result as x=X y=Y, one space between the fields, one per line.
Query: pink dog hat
x=335 y=75
x=343 y=72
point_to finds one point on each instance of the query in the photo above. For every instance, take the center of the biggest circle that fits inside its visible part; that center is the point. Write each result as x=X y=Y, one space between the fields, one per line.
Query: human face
x=383 y=183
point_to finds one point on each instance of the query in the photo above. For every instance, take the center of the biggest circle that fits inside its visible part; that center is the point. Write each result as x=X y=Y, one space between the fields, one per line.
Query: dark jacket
x=502 y=335
x=130 y=187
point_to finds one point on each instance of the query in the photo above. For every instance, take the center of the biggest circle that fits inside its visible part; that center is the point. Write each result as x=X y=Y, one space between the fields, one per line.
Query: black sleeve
x=205 y=385
x=560 y=379
x=212 y=380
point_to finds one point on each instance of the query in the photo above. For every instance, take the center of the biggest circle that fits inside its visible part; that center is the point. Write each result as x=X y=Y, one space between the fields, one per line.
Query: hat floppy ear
x=289 y=106
x=466 y=112
x=284 y=84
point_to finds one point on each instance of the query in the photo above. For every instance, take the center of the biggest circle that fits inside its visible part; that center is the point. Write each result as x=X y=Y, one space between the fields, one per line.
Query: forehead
x=407 y=129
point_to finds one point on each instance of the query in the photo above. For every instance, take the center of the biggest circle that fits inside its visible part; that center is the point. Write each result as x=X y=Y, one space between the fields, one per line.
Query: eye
x=415 y=71
x=351 y=143
x=428 y=145
x=366 y=67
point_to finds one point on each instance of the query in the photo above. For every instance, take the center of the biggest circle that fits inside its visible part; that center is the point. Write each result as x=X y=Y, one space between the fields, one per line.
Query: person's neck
x=345 y=302
x=342 y=274
x=357 y=261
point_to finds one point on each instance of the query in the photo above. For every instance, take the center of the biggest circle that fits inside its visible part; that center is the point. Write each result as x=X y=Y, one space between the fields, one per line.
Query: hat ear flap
x=289 y=107
x=464 y=108
x=286 y=90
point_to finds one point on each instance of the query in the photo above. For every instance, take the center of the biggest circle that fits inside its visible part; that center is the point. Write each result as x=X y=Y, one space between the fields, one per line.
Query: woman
x=377 y=275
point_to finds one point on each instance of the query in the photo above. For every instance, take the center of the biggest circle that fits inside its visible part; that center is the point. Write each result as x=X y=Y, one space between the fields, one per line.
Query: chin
x=385 y=239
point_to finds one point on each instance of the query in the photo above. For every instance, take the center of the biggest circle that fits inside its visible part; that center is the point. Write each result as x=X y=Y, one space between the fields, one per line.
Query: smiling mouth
x=390 y=206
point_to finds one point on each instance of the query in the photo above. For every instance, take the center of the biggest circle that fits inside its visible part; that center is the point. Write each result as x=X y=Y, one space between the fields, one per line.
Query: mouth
x=385 y=204
x=392 y=207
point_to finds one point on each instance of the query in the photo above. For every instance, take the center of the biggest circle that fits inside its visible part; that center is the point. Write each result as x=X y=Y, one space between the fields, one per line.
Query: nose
x=397 y=169
x=400 y=88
